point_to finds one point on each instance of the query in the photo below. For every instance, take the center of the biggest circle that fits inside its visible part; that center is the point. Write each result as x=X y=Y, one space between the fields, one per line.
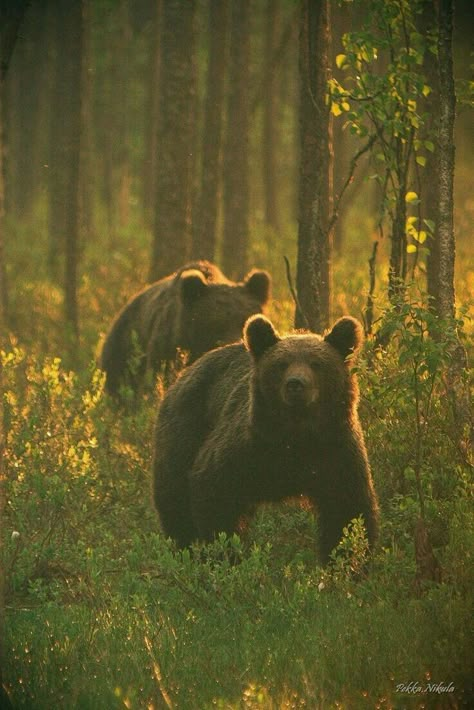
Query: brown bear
x=260 y=421
x=192 y=311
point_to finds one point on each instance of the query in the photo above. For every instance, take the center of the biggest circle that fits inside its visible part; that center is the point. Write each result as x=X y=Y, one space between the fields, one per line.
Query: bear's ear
x=259 y=335
x=346 y=336
x=258 y=284
x=193 y=285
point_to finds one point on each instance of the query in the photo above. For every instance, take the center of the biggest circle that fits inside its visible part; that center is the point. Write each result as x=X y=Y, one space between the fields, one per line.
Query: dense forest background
x=93 y=98
x=136 y=136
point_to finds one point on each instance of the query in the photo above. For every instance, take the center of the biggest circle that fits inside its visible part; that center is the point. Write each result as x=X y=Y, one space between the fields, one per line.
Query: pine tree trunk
x=71 y=107
x=175 y=150
x=313 y=279
x=236 y=159
x=270 y=118
x=152 y=116
x=10 y=20
x=87 y=172
x=456 y=380
x=205 y=224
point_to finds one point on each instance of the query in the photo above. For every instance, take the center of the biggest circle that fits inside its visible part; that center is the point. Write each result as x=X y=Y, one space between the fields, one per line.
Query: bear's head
x=213 y=313
x=302 y=380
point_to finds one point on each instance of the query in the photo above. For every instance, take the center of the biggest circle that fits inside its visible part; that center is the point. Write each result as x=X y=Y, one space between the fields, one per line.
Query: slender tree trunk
x=152 y=116
x=122 y=151
x=3 y=275
x=71 y=104
x=456 y=379
x=398 y=243
x=314 y=239
x=10 y=20
x=447 y=105
x=172 y=237
x=270 y=118
x=428 y=190
x=57 y=146
x=205 y=225
x=236 y=157
x=87 y=173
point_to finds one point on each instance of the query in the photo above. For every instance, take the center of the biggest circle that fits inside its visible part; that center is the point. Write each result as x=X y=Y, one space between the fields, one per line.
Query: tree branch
x=352 y=167
x=293 y=291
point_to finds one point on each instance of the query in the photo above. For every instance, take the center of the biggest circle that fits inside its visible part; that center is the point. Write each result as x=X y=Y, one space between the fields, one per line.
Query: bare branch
x=352 y=168
x=293 y=291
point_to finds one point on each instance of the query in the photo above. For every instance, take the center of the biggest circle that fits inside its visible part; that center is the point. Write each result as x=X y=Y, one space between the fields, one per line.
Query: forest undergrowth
x=103 y=612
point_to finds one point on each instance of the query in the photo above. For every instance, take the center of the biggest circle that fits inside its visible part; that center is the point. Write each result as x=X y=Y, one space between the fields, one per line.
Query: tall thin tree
x=71 y=107
x=313 y=278
x=152 y=113
x=428 y=189
x=457 y=385
x=205 y=223
x=236 y=152
x=270 y=117
x=11 y=15
x=175 y=149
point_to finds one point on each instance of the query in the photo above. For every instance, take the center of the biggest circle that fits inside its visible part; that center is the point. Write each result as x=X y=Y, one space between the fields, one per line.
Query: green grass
x=102 y=612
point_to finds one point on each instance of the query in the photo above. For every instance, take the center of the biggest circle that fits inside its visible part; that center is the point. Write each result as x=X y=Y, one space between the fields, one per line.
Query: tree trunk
x=398 y=239
x=236 y=157
x=205 y=226
x=447 y=104
x=314 y=239
x=11 y=16
x=152 y=116
x=3 y=275
x=87 y=173
x=456 y=380
x=428 y=191
x=71 y=110
x=172 y=236
x=57 y=144
x=270 y=118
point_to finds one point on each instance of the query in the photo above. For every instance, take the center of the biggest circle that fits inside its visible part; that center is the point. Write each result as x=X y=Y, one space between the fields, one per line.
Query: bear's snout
x=299 y=386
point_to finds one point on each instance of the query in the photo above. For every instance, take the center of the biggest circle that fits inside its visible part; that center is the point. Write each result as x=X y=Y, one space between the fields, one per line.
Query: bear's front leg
x=336 y=512
x=217 y=493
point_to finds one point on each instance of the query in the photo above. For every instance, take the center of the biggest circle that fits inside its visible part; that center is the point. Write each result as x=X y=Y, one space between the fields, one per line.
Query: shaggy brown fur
x=192 y=311
x=269 y=419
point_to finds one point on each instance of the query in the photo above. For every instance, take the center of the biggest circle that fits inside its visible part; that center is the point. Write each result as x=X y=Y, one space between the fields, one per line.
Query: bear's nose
x=295 y=385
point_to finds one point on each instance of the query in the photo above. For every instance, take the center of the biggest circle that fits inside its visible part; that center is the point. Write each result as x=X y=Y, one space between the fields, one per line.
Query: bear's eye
x=281 y=366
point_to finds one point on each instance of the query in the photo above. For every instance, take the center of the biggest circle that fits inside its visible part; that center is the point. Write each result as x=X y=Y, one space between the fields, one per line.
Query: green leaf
x=426 y=90
x=429 y=145
x=421 y=160
x=430 y=224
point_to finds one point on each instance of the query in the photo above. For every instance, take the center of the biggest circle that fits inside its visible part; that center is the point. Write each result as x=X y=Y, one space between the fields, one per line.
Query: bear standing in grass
x=260 y=421
x=192 y=311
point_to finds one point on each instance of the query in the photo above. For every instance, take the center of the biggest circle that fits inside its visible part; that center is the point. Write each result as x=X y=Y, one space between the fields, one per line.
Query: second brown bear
x=190 y=312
